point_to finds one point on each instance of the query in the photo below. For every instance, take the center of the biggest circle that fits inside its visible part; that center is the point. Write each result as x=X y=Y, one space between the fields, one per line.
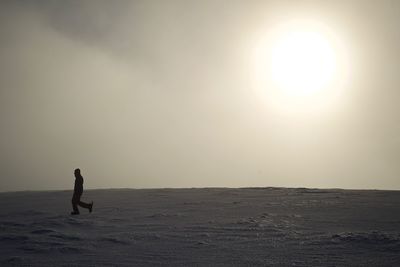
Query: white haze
x=160 y=94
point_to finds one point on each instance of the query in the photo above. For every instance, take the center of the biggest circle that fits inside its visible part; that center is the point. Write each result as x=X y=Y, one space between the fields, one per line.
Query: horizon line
x=206 y=187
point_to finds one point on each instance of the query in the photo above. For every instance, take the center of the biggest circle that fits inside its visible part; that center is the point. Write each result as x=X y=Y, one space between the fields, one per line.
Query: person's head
x=77 y=172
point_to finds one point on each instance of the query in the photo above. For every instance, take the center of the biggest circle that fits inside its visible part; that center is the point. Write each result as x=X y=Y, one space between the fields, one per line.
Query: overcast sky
x=160 y=94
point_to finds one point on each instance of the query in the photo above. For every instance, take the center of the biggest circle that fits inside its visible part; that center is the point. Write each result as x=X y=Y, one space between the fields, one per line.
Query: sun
x=300 y=65
x=302 y=62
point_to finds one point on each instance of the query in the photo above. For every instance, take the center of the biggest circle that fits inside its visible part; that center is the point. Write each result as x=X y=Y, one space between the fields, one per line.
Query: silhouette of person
x=78 y=191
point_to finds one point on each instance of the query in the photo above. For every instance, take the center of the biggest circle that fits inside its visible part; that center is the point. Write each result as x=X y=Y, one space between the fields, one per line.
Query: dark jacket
x=78 y=188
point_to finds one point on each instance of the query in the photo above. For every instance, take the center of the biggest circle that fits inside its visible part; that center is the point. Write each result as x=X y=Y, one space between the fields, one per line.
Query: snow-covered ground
x=202 y=227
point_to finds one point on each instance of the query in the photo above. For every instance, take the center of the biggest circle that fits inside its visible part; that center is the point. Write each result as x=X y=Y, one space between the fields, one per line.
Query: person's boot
x=74 y=212
x=91 y=207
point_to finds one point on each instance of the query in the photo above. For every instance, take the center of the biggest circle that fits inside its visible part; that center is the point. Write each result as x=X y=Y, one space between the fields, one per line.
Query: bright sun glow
x=302 y=62
x=301 y=66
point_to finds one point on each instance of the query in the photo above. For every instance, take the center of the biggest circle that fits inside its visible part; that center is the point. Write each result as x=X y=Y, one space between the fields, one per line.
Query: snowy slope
x=202 y=227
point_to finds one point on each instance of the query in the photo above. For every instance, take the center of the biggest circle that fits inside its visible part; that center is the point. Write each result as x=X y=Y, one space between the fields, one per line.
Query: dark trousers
x=76 y=200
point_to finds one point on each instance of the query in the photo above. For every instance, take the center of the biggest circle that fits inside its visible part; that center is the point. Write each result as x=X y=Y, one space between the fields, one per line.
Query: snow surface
x=202 y=227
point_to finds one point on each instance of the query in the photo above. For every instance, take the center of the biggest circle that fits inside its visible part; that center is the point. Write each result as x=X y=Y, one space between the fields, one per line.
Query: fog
x=161 y=94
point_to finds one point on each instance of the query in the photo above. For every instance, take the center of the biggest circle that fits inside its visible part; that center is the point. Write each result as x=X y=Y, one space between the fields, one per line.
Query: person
x=78 y=191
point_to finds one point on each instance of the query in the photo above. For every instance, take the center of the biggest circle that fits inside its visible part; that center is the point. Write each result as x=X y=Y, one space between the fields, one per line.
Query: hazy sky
x=161 y=94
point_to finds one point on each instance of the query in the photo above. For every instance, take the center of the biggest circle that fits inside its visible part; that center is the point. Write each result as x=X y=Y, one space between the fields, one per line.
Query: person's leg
x=75 y=201
x=84 y=205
